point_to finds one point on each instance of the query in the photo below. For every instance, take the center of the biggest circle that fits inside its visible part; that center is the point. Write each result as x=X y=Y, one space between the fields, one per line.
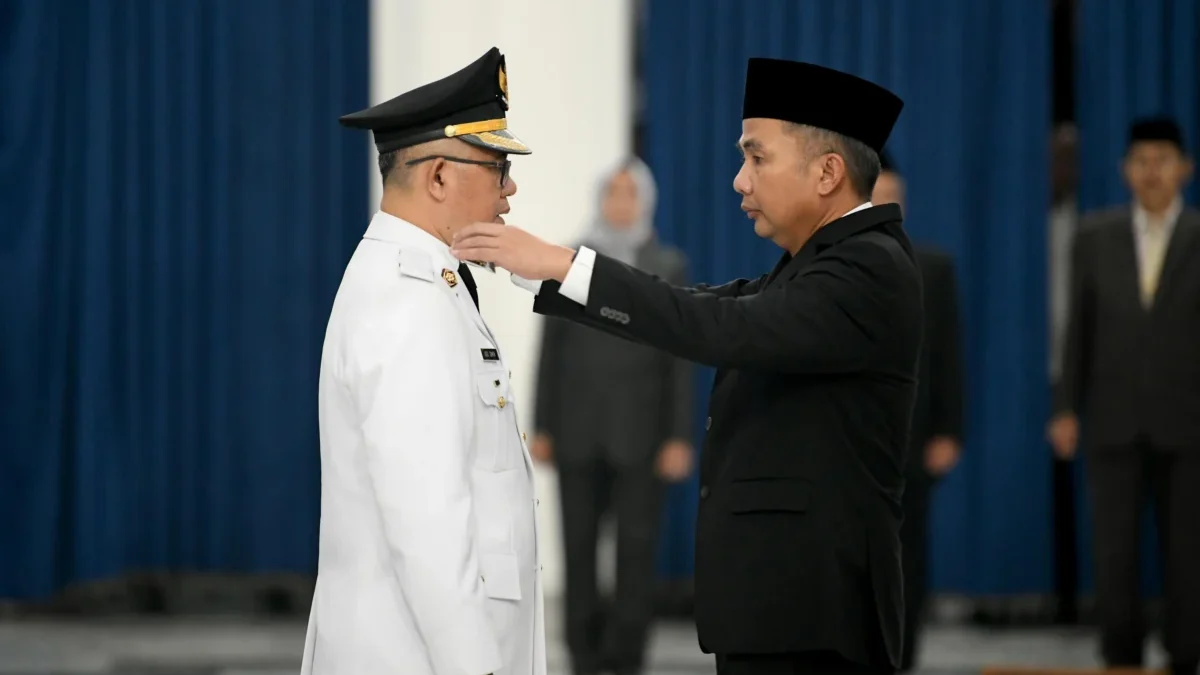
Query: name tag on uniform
x=490 y=354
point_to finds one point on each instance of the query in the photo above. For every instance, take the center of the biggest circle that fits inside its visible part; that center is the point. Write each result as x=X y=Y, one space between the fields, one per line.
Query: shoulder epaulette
x=417 y=264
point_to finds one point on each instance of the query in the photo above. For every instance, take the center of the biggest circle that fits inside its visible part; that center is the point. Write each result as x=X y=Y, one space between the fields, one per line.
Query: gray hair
x=862 y=163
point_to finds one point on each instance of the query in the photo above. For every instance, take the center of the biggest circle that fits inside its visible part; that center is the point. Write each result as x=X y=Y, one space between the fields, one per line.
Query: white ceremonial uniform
x=428 y=551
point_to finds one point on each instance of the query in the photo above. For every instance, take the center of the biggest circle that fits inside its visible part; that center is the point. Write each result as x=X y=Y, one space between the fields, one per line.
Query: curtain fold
x=179 y=202
x=972 y=143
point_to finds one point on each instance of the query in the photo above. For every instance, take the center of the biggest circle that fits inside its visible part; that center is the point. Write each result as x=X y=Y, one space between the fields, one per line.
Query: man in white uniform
x=428 y=554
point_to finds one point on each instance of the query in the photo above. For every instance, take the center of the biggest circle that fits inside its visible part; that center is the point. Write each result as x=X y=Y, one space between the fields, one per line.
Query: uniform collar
x=393 y=230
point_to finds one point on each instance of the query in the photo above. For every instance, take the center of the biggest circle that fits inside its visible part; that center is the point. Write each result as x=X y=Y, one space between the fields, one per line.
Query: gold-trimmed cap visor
x=470 y=104
x=501 y=140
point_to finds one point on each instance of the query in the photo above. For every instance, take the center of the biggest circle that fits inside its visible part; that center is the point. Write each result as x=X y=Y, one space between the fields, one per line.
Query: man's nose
x=741 y=184
x=510 y=188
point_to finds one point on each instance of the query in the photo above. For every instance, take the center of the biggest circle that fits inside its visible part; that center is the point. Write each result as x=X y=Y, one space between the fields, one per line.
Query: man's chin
x=762 y=228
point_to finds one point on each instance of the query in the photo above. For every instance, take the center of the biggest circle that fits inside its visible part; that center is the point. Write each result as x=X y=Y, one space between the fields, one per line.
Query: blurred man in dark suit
x=1063 y=221
x=1131 y=374
x=615 y=417
x=936 y=438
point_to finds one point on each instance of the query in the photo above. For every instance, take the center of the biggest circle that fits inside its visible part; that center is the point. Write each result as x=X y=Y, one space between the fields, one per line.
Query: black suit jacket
x=797 y=540
x=939 y=406
x=597 y=393
x=1128 y=372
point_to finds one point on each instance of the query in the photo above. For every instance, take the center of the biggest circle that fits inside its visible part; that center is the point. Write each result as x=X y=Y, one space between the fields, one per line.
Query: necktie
x=1154 y=247
x=464 y=273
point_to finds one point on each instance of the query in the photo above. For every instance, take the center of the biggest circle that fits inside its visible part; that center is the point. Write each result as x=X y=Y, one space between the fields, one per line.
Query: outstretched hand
x=514 y=249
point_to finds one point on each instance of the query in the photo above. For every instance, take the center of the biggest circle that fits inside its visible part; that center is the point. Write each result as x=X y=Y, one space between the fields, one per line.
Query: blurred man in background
x=798 y=532
x=935 y=442
x=428 y=556
x=1131 y=374
x=1063 y=221
x=615 y=418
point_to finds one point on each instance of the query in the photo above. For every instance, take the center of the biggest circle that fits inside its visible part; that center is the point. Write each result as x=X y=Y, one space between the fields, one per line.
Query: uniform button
x=703 y=492
x=501 y=402
x=537 y=502
x=522 y=435
x=540 y=568
x=708 y=424
x=496 y=383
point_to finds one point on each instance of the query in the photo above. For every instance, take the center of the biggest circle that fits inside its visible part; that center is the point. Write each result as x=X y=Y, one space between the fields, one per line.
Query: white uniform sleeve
x=417 y=405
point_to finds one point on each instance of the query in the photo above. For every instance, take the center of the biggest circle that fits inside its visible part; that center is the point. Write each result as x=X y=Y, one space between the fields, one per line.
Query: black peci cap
x=804 y=93
x=1156 y=129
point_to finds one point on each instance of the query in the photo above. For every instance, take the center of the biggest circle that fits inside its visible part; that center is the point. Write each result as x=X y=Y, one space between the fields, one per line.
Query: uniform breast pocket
x=497 y=446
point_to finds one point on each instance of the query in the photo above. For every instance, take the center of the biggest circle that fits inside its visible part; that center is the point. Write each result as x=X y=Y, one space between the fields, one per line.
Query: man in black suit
x=936 y=440
x=614 y=417
x=1131 y=374
x=802 y=471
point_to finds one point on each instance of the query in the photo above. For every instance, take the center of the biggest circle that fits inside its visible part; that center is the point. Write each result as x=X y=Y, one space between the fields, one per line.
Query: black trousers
x=1066 y=544
x=1121 y=480
x=601 y=637
x=808 y=663
x=914 y=559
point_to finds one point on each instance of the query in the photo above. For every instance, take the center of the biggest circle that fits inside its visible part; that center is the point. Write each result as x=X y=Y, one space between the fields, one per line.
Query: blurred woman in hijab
x=615 y=418
x=624 y=222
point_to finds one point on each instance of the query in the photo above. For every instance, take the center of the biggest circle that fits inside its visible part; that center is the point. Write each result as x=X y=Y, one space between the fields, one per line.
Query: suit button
x=537 y=502
x=708 y=424
x=703 y=492
x=522 y=436
x=501 y=402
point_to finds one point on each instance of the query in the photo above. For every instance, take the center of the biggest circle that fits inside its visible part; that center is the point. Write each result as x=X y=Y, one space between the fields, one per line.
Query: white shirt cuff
x=578 y=282
x=575 y=285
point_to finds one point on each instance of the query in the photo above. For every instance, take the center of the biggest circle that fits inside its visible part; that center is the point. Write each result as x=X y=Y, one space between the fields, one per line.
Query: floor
x=230 y=647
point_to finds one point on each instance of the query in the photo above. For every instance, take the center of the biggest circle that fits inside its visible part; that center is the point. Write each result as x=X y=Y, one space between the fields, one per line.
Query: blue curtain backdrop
x=1135 y=58
x=178 y=203
x=973 y=142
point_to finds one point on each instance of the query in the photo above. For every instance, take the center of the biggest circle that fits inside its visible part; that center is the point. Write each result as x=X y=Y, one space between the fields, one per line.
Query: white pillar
x=570 y=85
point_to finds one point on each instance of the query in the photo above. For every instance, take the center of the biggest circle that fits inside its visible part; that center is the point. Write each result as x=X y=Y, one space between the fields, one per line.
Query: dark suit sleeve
x=733 y=289
x=946 y=370
x=829 y=319
x=681 y=374
x=1077 y=342
x=547 y=411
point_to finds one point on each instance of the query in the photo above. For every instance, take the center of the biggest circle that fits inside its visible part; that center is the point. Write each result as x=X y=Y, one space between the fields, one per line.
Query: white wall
x=570 y=94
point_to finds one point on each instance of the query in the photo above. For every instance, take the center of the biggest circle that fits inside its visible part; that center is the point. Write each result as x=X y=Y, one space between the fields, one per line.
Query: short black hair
x=862 y=163
x=393 y=168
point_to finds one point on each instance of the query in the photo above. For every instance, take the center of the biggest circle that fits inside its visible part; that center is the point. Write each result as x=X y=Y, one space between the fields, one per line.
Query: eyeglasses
x=503 y=166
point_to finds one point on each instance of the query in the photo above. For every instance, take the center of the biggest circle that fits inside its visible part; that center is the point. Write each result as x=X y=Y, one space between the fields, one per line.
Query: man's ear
x=833 y=172
x=435 y=180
